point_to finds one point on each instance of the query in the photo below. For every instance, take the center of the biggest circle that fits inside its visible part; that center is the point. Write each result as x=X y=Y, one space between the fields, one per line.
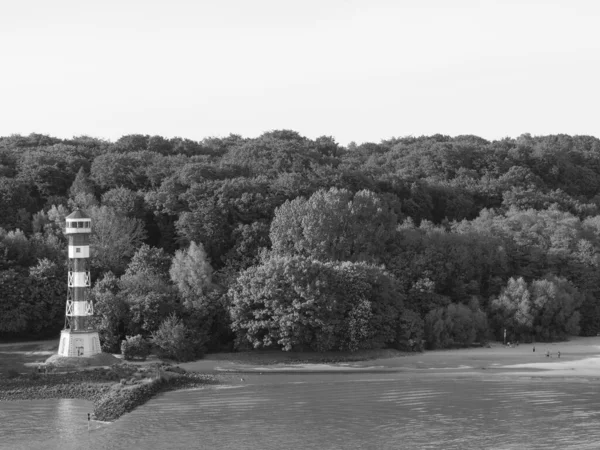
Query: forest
x=290 y=243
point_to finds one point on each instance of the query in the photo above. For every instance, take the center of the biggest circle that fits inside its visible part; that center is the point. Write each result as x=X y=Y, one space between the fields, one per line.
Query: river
x=329 y=411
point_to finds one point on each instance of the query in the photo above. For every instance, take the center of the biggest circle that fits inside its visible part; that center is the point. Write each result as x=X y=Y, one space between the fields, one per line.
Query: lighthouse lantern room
x=78 y=338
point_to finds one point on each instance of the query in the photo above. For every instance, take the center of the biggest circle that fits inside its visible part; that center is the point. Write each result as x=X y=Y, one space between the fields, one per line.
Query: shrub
x=409 y=333
x=135 y=347
x=174 y=340
x=456 y=325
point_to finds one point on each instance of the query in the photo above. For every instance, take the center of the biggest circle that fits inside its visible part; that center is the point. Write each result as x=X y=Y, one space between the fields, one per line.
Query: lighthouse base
x=79 y=343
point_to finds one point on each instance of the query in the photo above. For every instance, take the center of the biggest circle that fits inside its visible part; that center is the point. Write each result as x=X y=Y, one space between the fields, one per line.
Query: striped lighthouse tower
x=78 y=338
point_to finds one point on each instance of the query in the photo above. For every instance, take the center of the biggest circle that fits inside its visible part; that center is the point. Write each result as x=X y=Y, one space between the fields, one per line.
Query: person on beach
x=534 y=349
x=547 y=353
x=559 y=354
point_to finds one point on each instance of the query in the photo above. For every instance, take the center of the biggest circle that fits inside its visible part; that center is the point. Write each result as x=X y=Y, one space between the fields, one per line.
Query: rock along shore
x=114 y=391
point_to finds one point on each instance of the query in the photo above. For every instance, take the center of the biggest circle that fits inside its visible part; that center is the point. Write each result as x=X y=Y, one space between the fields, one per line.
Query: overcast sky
x=355 y=70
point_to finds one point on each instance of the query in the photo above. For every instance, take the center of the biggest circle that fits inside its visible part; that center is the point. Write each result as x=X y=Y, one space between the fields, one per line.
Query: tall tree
x=114 y=240
x=334 y=225
x=191 y=272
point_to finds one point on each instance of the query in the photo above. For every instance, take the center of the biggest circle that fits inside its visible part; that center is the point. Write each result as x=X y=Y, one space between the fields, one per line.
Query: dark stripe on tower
x=79 y=294
x=79 y=264
x=79 y=239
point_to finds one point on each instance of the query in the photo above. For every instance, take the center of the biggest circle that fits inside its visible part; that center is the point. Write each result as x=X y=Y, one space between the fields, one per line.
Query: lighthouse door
x=79 y=346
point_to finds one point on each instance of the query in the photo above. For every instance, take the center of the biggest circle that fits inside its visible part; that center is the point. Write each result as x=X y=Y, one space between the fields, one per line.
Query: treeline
x=287 y=242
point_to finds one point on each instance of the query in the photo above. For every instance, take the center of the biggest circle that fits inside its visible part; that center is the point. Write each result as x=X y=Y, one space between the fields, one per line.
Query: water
x=329 y=411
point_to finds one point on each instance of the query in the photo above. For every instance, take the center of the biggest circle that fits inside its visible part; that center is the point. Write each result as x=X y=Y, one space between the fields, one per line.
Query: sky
x=356 y=70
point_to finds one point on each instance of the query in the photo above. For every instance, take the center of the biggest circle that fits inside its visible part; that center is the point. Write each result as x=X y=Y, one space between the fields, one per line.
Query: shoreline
x=579 y=357
x=120 y=388
x=113 y=391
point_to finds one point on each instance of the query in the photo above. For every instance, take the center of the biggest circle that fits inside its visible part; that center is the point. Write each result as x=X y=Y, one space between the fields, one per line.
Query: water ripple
x=328 y=412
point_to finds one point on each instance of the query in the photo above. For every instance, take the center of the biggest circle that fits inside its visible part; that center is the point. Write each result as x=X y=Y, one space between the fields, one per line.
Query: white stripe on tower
x=79 y=279
x=79 y=251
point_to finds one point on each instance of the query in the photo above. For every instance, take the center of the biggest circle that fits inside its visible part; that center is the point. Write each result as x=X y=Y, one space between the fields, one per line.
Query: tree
x=274 y=152
x=334 y=225
x=125 y=202
x=81 y=184
x=149 y=260
x=111 y=312
x=112 y=170
x=456 y=325
x=15 y=248
x=50 y=170
x=147 y=272
x=114 y=240
x=47 y=298
x=249 y=241
x=32 y=301
x=300 y=303
x=555 y=302
x=148 y=310
x=216 y=208
x=16 y=204
x=547 y=308
x=175 y=341
x=512 y=311
x=192 y=273
x=409 y=334
x=14 y=305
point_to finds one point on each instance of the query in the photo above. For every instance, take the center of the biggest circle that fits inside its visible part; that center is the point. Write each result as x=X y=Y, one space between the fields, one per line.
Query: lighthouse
x=78 y=338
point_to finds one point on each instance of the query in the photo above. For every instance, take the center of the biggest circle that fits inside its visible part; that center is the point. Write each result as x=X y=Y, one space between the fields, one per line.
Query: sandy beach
x=580 y=356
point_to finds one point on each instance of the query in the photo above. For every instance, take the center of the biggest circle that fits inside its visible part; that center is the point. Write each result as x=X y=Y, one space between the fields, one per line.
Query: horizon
x=355 y=70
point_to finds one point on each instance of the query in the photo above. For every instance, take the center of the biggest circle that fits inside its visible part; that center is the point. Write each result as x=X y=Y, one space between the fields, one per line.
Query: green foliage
x=147 y=311
x=555 y=302
x=410 y=331
x=149 y=260
x=47 y=297
x=32 y=302
x=174 y=340
x=16 y=203
x=13 y=303
x=135 y=347
x=514 y=223
x=334 y=225
x=546 y=309
x=456 y=325
x=299 y=303
x=111 y=310
x=512 y=311
x=124 y=201
x=114 y=240
x=217 y=207
x=191 y=272
x=81 y=184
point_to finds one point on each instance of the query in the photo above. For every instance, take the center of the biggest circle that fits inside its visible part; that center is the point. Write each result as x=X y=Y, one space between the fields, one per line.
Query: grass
x=17 y=356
